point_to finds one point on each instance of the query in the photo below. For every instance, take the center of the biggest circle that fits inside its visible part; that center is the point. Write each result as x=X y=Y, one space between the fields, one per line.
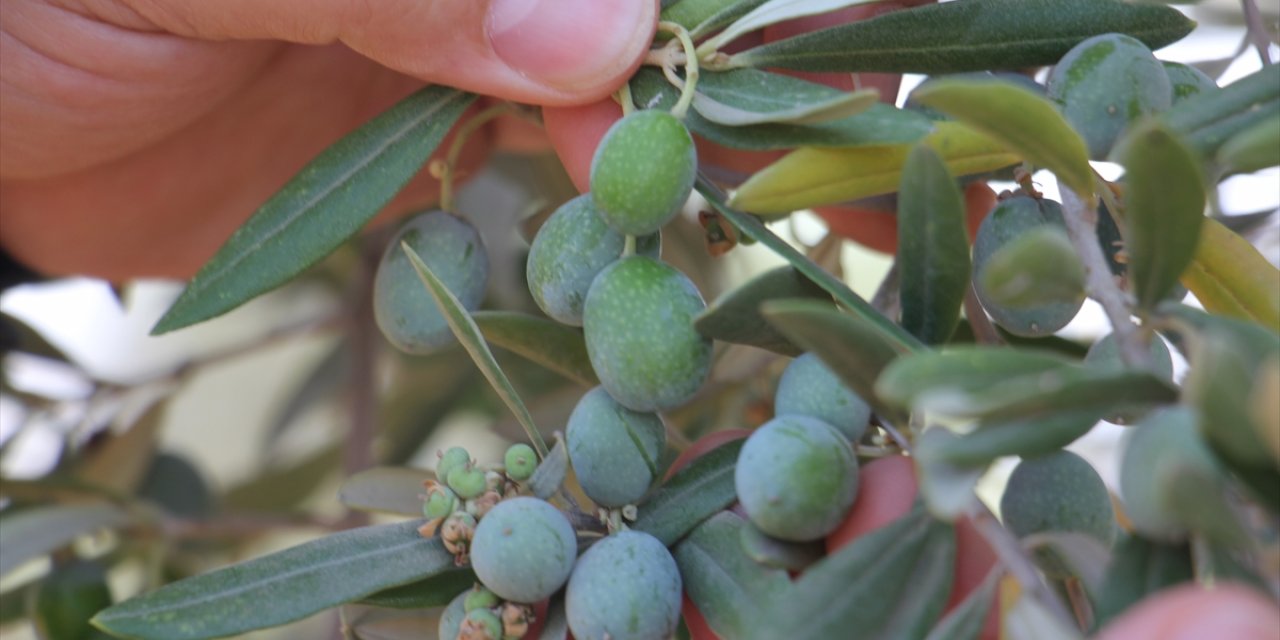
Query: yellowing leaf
x=1231 y=278
x=812 y=177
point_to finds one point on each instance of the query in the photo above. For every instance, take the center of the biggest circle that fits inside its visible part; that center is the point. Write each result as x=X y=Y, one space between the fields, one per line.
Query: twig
x=1012 y=556
x=1082 y=225
x=1256 y=30
x=983 y=331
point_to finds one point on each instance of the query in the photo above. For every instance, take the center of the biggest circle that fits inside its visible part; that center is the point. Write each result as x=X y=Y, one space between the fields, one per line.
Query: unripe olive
x=1186 y=80
x=571 y=248
x=796 y=478
x=1106 y=82
x=808 y=387
x=467 y=481
x=480 y=597
x=625 y=587
x=404 y=310
x=441 y=501
x=643 y=171
x=523 y=549
x=520 y=462
x=1011 y=218
x=1057 y=492
x=614 y=450
x=638 y=326
x=67 y=598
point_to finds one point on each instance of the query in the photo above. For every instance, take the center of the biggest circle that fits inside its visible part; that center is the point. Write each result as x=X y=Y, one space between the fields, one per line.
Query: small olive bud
x=520 y=462
x=480 y=506
x=480 y=597
x=481 y=624
x=467 y=481
x=441 y=501
x=456 y=533
x=452 y=459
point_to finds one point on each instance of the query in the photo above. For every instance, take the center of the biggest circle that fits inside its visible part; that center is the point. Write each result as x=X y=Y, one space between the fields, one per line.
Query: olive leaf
x=395 y=490
x=472 y=340
x=890 y=583
x=773 y=12
x=933 y=247
x=281 y=587
x=879 y=124
x=323 y=205
x=435 y=591
x=1229 y=276
x=692 y=495
x=751 y=227
x=550 y=473
x=852 y=348
x=973 y=35
x=809 y=177
x=735 y=316
x=34 y=532
x=1252 y=149
x=1164 y=210
x=738 y=106
x=1035 y=434
x=555 y=346
x=729 y=11
x=729 y=589
x=1024 y=121
x=1209 y=119
x=946 y=487
x=962 y=370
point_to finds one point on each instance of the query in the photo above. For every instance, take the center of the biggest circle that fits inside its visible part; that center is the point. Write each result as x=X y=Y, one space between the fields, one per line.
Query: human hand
x=138 y=134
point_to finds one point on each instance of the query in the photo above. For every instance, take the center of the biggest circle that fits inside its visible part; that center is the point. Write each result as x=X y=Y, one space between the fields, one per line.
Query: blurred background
x=241 y=429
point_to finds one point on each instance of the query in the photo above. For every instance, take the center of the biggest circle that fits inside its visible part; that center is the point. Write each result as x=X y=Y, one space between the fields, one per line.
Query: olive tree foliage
x=586 y=526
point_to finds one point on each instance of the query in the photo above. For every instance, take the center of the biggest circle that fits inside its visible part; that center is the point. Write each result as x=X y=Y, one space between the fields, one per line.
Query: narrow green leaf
x=765 y=106
x=880 y=124
x=753 y=228
x=435 y=591
x=692 y=495
x=891 y=583
x=66 y=599
x=549 y=476
x=810 y=177
x=473 y=341
x=964 y=370
x=725 y=16
x=1035 y=434
x=852 y=348
x=394 y=490
x=974 y=35
x=34 y=532
x=1024 y=121
x=730 y=590
x=933 y=247
x=773 y=12
x=555 y=346
x=1164 y=210
x=1252 y=149
x=323 y=205
x=966 y=620
x=691 y=13
x=1037 y=268
x=735 y=316
x=175 y=485
x=1139 y=567
x=1230 y=277
x=1208 y=119
x=281 y=587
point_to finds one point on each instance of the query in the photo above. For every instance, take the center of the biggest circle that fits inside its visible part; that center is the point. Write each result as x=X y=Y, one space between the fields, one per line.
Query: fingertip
x=575 y=132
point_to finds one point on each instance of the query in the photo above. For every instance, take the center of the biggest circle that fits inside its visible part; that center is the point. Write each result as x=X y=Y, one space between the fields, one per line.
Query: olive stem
x=629 y=246
x=690 y=68
x=624 y=99
x=1257 y=30
x=1014 y=558
x=1082 y=224
x=464 y=132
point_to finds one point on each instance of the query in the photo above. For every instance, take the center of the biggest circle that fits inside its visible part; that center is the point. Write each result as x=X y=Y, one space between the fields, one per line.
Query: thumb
x=550 y=52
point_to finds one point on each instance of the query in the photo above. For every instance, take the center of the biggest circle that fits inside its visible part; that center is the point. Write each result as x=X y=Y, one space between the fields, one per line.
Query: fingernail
x=569 y=44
